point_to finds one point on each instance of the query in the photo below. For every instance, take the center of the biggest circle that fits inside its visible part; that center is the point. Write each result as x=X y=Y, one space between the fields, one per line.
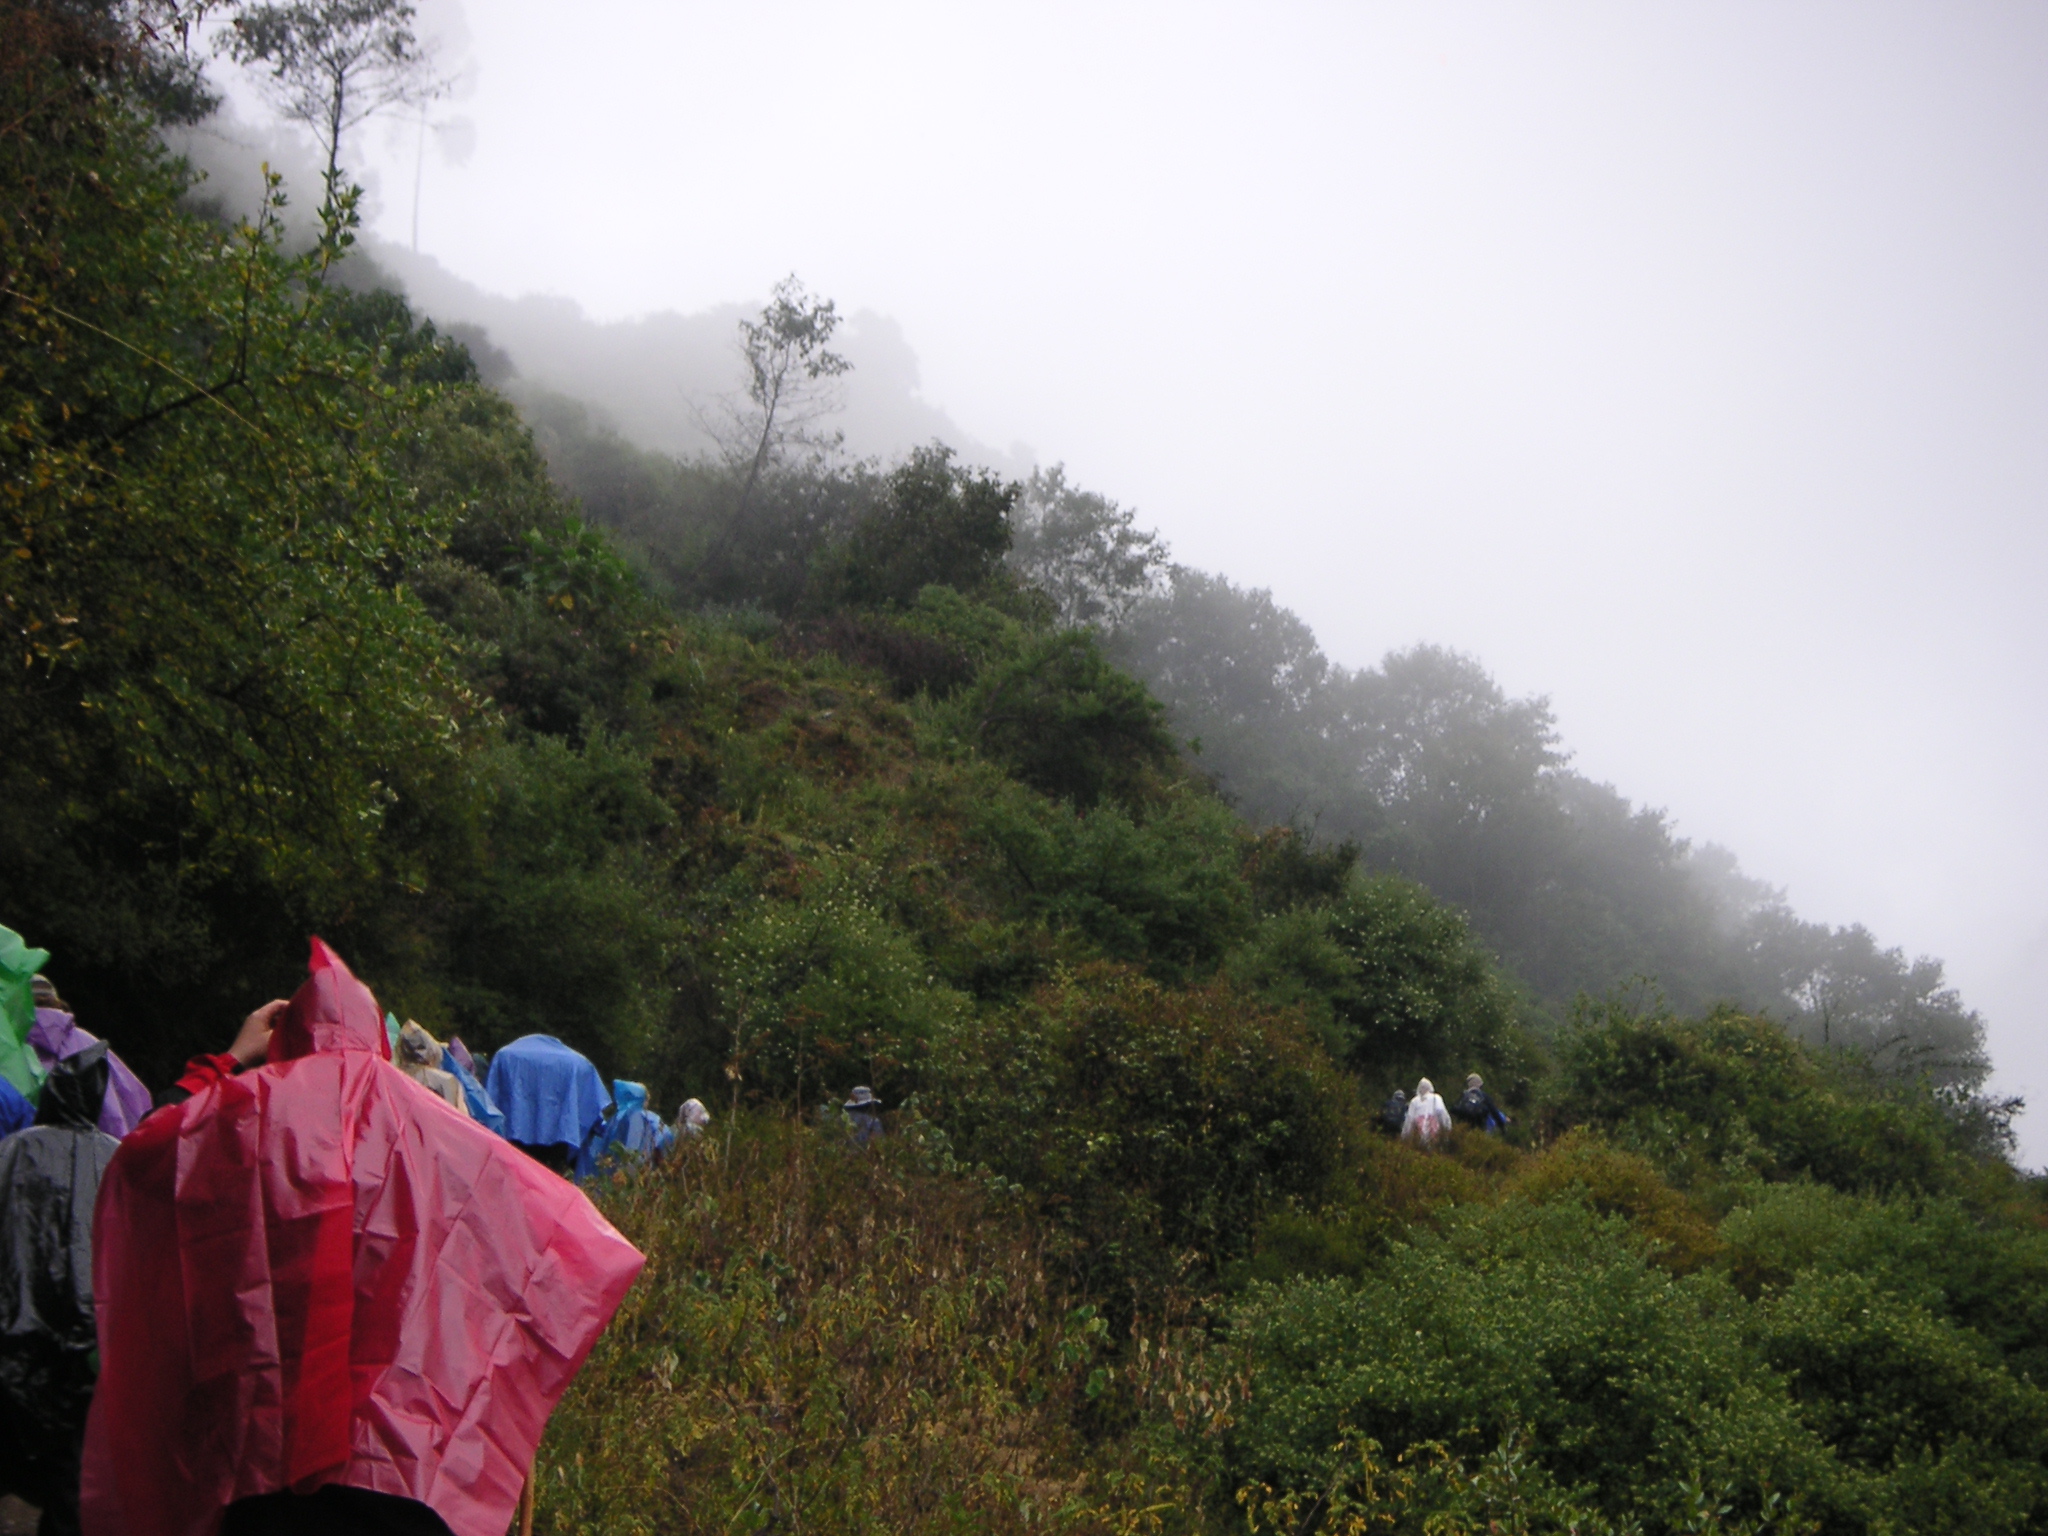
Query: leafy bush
x=1947 y=1438
x=826 y=988
x=1537 y=1325
x=1155 y=1125
x=1733 y=1096
x=1165 y=891
x=937 y=525
x=1393 y=981
x=1987 y=1273
x=1067 y=723
x=1669 y=1229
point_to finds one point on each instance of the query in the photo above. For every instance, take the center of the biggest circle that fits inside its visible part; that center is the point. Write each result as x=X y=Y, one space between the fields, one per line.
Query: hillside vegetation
x=762 y=776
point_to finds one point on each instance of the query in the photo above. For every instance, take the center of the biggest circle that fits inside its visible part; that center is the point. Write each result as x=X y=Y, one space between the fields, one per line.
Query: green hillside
x=781 y=774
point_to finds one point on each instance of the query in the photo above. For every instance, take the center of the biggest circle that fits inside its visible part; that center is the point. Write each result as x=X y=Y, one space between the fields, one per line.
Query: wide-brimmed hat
x=863 y=1098
x=1473 y=1081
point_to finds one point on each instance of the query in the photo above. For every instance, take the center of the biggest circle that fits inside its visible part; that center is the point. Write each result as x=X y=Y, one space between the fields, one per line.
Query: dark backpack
x=1394 y=1113
x=1475 y=1107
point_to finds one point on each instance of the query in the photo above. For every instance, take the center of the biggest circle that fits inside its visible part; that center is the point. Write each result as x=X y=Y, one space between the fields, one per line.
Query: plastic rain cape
x=58 y=1037
x=634 y=1129
x=18 y=966
x=49 y=1178
x=317 y=1272
x=551 y=1095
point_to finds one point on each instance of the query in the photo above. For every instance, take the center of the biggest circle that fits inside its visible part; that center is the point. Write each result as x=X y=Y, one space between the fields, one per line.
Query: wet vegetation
x=758 y=777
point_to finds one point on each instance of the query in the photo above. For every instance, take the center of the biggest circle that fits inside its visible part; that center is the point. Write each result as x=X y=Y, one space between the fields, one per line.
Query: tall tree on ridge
x=334 y=64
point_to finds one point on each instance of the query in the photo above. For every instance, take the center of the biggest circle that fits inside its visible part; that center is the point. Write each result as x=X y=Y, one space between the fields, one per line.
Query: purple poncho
x=56 y=1037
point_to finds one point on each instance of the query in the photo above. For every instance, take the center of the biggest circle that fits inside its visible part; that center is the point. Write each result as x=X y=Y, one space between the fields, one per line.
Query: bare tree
x=334 y=64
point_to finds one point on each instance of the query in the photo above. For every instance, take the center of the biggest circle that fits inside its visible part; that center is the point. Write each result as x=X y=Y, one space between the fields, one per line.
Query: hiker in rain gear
x=864 y=1115
x=693 y=1119
x=634 y=1130
x=49 y=1178
x=419 y=1058
x=1475 y=1107
x=553 y=1100
x=1427 y=1118
x=326 y=1303
x=19 y=1064
x=1394 y=1113
x=456 y=1061
x=16 y=1113
x=56 y=1037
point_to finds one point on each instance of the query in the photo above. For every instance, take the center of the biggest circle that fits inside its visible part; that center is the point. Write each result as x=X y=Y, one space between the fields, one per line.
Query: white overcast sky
x=1687 y=362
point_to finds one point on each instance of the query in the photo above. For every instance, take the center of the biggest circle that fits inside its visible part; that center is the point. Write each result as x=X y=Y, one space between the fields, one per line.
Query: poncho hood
x=331 y=1012
x=75 y=1090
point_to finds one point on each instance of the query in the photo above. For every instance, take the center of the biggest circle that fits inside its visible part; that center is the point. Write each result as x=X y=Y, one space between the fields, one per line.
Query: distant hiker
x=327 y=1304
x=1475 y=1107
x=693 y=1118
x=864 y=1116
x=1394 y=1113
x=457 y=1061
x=1427 y=1119
x=57 y=1037
x=419 y=1058
x=553 y=1100
x=49 y=1179
x=634 y=1130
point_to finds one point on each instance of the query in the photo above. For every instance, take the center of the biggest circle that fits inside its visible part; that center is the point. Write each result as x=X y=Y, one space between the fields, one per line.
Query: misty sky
x=1685 y=362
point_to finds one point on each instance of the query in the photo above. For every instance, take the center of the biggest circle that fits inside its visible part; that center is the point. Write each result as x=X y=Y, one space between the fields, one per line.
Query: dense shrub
x=1393 y=981
x=1945 y=1438
x=936 y=525
x=1733 y=1096
x=1067 y=723
x=1542 y=1322
x=1155 y=1125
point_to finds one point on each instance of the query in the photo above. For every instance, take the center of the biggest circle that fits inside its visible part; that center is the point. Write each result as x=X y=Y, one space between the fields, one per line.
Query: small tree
x=334 y=64
x=790 y=369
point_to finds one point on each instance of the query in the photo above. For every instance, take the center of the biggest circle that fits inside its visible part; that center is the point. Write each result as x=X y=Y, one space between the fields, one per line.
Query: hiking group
x=333 y=1280
x=1426 y=1119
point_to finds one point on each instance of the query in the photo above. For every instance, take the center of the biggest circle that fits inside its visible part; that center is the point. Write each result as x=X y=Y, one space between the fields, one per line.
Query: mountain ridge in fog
x=655 y=378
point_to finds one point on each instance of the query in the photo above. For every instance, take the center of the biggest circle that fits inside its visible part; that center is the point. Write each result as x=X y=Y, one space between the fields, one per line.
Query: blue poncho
x=634 y=1129
x=482 y=1109
x=16 y=1113
x=549 y=1094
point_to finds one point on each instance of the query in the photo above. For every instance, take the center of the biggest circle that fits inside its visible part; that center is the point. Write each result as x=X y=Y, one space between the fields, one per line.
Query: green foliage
x=1987 y=1273
x=1537 y=1325
x=1734 y=1097
x=1166 y=891
x=825 y=986
x=1155 y=1124
x=829 y=1341
x=1070 y=725
x=563 y=921
x=1392 y=980
x=1946 y=1437
x=937 y=525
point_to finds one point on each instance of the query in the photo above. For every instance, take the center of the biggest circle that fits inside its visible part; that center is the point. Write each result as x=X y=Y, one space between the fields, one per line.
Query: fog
x=1684 y=363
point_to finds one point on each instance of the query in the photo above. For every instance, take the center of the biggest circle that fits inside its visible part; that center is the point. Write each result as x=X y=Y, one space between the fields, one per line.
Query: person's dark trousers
x=331 y=1511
